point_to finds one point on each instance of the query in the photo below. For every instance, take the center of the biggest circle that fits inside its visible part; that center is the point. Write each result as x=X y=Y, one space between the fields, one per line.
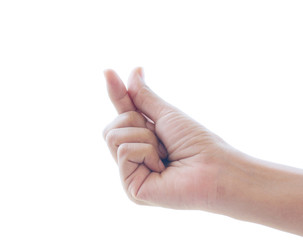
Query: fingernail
x=161 y=166
x=141 y=74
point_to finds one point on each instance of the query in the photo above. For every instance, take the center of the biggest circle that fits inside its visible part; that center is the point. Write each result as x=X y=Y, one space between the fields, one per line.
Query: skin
x=167 y=159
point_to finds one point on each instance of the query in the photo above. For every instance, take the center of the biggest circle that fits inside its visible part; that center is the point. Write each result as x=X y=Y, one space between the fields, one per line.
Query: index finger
x=117 y=92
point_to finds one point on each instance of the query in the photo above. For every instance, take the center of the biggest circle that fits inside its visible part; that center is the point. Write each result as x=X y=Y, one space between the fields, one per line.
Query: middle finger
x=118 y=136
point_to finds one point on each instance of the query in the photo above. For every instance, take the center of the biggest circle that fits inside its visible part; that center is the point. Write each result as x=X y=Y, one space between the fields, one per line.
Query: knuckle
x=111 y=137
x=104 y=132
x=140 y=196
x=123 y=150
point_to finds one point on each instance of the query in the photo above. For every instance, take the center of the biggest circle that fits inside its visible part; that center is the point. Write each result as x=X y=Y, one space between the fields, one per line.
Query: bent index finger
x=117 y=92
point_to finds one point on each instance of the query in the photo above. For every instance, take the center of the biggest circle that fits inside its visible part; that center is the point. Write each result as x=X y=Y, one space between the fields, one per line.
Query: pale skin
x=167 y=159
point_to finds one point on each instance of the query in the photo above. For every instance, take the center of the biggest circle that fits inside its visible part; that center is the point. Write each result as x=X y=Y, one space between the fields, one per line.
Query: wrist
x=257 y=191
x=239 y=185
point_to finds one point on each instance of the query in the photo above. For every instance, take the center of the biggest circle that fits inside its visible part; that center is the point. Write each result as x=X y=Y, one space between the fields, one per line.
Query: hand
x=167 y=159
x=150 y=132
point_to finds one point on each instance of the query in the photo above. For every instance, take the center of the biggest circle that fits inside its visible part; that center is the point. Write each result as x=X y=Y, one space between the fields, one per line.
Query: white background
x=235 y=66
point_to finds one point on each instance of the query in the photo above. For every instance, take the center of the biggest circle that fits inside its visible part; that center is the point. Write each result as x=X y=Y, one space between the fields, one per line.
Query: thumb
x=145 y=99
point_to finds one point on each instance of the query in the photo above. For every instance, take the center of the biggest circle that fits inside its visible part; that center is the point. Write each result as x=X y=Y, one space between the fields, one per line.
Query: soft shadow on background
x=234 y=66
